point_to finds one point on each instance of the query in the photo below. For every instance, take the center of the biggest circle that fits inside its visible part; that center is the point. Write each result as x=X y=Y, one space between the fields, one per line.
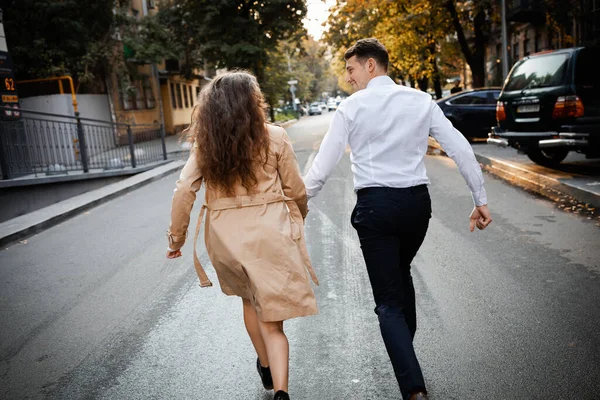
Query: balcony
x=525 y=11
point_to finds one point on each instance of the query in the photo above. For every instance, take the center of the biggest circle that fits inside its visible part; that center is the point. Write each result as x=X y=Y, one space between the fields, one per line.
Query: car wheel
x=547 y=157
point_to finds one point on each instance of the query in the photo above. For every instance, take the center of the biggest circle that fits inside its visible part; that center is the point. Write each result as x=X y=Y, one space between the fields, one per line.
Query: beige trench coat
x=255 y=241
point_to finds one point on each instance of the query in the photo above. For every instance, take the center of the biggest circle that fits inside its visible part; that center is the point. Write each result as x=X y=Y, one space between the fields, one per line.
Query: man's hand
x=480 y=218
x=173 y=254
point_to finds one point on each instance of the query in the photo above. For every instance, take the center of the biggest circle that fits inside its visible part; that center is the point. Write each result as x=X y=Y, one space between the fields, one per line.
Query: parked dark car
x=472 y=112
x=550 y=105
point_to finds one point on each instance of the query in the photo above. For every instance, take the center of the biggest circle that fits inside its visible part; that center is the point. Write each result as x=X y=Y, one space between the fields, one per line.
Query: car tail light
x=567 y=106
x=500 y=114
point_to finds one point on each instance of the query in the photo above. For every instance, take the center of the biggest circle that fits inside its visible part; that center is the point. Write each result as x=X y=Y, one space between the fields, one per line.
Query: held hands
x=480 y=218
x=173 y=254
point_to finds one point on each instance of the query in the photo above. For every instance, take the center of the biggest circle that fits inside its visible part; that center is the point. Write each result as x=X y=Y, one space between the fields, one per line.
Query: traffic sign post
x=293 y=91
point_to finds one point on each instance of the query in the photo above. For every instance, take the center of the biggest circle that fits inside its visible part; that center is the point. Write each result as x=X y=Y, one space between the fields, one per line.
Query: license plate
x=528 y=108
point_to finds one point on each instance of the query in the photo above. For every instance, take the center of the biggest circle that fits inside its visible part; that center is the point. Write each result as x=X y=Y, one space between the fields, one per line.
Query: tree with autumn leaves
x=428 y=39
x=421 y=35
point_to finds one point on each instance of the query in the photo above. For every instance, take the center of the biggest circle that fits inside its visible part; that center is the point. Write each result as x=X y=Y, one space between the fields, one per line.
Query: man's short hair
x=364 y=49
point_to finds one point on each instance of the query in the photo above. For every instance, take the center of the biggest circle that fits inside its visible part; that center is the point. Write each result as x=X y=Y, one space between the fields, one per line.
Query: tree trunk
x=478 y=65
x=476 y=61
x=272 y=112
x=437 y=83
x=423 y=84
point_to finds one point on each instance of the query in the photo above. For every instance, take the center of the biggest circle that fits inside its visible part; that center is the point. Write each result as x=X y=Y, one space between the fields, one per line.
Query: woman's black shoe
x=265 y=375
x=281 y=395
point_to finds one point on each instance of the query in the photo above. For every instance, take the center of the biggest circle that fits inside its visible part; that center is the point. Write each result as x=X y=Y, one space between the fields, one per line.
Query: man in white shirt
x=387 y=127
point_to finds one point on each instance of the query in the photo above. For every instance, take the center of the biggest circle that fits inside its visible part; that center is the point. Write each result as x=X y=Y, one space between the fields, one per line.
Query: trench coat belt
x=228 y=203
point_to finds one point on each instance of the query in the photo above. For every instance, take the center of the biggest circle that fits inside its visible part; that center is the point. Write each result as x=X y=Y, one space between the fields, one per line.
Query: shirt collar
x=380 y=81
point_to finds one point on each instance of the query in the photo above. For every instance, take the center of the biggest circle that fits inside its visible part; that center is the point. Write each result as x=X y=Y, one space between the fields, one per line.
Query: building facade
x=155 y=94
x=528 y=33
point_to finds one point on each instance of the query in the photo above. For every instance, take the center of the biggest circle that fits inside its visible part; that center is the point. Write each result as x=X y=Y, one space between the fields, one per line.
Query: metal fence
x=42 y=143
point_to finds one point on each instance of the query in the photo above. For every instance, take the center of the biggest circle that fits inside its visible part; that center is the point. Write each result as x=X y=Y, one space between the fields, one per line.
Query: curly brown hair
x=228 y=125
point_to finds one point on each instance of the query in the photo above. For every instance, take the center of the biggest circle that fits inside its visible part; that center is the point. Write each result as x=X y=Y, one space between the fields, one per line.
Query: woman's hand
x=173 y=254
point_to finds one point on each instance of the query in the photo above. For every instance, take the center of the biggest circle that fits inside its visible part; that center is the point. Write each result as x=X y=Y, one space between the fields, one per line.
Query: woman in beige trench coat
x=254 y=209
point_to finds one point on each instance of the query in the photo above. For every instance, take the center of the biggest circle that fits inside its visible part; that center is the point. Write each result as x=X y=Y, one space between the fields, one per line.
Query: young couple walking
x=256 y=202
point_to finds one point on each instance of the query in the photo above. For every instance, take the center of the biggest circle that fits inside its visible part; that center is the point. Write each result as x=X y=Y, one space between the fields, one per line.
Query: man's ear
x=371 y=65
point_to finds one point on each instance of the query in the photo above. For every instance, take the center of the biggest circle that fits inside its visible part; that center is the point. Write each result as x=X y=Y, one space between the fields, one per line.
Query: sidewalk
x=518 y=170
x=26 y=225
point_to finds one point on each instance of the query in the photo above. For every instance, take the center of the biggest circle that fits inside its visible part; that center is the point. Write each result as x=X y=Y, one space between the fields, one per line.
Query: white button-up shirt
x=387 y=127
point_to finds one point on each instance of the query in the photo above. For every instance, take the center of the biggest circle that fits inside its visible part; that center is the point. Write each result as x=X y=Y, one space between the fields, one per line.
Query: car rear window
x=542 y=71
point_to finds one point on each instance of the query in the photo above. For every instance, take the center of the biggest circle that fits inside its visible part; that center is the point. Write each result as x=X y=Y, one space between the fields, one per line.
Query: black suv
x=550 y=105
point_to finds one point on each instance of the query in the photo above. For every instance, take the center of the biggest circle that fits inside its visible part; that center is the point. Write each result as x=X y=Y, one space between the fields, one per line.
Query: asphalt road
x=91 y=308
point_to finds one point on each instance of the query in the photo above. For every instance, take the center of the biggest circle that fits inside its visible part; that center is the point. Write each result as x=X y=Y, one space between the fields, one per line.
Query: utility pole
x=292 y=82
x=504 y=42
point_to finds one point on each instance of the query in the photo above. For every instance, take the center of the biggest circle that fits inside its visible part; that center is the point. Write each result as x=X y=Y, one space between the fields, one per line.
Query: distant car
x=314 y=108
x=323 y=105
x=472 y=112
x=331 y=104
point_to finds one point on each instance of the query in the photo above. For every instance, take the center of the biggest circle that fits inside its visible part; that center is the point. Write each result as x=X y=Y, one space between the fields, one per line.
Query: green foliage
x=233 y=34
x=417 y=33
x=49 y=38
x=148 y=40
x=307 y=64
x=285 y=116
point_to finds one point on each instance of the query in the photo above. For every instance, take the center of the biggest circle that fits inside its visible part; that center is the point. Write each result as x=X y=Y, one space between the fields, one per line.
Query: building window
x=185 y=96
x=137 y=95
x=126 y=98
x=178 y=92
x=148 y=92
x=173 y=101
x=526 y=51
x=151 y=4
x=516 y=51
x=197 y=92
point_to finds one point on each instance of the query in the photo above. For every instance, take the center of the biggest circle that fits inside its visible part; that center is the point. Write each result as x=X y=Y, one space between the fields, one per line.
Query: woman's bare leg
x=278 y=351
x=251 y=322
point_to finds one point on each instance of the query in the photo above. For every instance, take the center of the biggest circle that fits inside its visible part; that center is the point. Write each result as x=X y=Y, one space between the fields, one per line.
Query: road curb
x=48 y=180
x=551 y=188
x=288 y=123
x=29 y=224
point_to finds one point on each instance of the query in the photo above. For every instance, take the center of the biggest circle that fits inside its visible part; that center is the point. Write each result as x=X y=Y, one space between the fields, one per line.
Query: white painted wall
x=55 y=144
x=90 y=105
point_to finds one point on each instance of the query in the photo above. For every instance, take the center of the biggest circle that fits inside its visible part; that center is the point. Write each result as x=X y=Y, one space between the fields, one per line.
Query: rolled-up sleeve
x=459 y=149
x=187 y=185
x=289 y=173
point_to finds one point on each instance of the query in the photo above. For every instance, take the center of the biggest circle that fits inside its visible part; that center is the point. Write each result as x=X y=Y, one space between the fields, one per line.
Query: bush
x=285 y=116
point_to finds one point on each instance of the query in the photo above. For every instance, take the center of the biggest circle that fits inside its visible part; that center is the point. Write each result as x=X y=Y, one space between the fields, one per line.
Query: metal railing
x=43 y=143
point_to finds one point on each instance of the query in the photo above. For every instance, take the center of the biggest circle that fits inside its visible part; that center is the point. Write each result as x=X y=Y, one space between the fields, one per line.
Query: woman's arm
x=289 y=173
x=187 y=185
